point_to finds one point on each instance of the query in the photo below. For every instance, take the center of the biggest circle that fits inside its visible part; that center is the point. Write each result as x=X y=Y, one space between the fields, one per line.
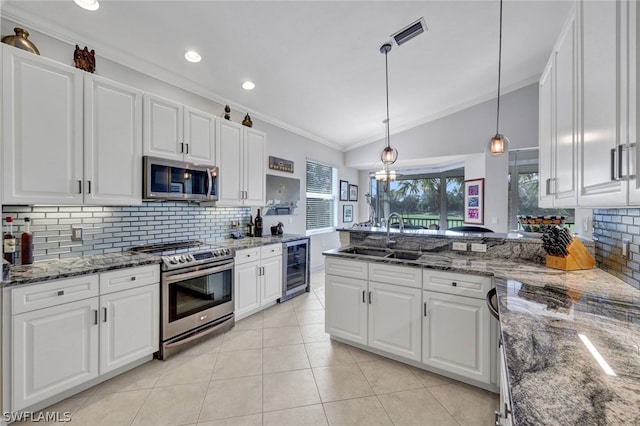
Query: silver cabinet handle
x=105 y=314
x=88 y=187
x=187 y=145
x=95 y=317
x=454 y=284
x=60 y=292
x=182 y=147
x=620 y=175
x=548 y=182
x=133 y=278
x=363 y=301
x=369 y=297
x=425 y=309
x=79 y=187
x=613 y=164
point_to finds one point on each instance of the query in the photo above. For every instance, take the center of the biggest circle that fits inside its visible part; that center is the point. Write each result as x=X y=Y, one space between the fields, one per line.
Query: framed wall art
x=474 y=201
x=344 y=190
x=347 y=213
x=353 y=192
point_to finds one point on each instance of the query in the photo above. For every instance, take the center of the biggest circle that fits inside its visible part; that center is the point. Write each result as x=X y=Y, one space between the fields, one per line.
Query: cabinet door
x=129 y=326
x=565 y=153
x=228 y=158
x=162 y=122
x=271 y=279
x=601 y=85
x=199 y=136
x=247 y=289
x=53 y=349
x=42 y=136
x=254 y=167
x=456 y=336
x=546 y=136
x=112 y=143
x=395 y=319
x=346 y=308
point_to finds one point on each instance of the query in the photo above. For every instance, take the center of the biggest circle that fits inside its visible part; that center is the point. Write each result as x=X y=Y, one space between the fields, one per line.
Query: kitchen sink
x=380 y=252
x=404 y=255
x=366 y=251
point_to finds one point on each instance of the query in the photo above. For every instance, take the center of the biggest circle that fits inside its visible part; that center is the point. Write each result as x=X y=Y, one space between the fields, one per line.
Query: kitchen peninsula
x=545 y=316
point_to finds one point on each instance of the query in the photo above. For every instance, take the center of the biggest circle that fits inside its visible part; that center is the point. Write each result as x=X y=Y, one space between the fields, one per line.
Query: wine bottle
x=9 y=243
x=258 y=230
x=26 y=243
x=250 y=227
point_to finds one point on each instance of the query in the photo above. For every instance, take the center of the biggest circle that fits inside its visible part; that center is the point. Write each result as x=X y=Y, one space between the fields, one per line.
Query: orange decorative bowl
x=539 y=222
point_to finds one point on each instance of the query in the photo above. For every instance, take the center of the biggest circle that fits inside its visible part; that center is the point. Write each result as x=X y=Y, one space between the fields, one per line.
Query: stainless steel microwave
x=177 y=180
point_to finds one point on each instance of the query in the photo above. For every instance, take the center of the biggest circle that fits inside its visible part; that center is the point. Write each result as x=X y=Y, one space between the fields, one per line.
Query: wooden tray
x=578 y=258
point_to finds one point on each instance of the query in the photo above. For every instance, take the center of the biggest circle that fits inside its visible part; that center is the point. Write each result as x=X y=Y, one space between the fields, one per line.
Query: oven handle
x=199 y=273
x=195 y=336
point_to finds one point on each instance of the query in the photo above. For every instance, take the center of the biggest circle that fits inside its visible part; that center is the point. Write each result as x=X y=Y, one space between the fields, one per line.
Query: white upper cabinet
x=240 y=154
x=177 y=132
x=603 y=82
x=112 y=142
x=588 y=110
x=42 y=136
x=69 y=137
x=564 y=182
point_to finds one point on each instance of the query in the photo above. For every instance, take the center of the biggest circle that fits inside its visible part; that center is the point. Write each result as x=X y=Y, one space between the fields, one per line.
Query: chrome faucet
x=389 y=240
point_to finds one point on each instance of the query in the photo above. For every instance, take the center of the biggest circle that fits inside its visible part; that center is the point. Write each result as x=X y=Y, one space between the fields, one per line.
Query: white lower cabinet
x=54 y=349
x=258 y=279
x=65 y=333
x=435 y=318
x=394 y=319
x=129 y=326
x=374 y=311
x=455 y=335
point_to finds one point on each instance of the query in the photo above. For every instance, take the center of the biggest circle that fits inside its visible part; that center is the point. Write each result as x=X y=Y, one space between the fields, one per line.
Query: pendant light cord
x=386 y=77
x=499 y=69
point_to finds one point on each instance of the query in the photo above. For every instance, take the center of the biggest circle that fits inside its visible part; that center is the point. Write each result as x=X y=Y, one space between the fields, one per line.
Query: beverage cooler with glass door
x=295 y=265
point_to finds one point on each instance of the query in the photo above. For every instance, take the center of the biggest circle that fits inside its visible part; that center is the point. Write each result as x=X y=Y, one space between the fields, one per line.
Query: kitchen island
x=552 y=376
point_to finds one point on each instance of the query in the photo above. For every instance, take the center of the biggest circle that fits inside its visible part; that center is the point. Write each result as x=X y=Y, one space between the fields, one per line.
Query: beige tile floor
x=278 y=367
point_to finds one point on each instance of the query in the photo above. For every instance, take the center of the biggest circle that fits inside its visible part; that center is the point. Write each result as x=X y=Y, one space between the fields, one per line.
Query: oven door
x=195 y=296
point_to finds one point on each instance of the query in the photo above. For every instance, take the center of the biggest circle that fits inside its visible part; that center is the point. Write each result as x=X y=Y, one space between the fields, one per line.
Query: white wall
x=467 y=133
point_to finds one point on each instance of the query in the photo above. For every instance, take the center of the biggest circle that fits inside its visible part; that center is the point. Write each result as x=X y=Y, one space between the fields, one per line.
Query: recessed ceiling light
x=192 y=56
x=88 y=4
x=248 y=85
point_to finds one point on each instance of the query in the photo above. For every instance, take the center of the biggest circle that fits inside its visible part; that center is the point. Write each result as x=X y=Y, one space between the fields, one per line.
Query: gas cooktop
x=181 y=254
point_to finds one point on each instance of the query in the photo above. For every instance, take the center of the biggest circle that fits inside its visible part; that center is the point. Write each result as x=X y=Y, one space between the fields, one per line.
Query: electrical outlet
x=460 y=246
x=480 y=248
x=76 y=233
x=625 y=248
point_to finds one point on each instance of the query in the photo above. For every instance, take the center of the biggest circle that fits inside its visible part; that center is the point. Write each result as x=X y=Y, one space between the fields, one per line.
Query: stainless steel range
x=196 y=292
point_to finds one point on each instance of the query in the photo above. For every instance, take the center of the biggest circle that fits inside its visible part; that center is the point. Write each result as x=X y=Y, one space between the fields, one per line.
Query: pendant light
x=499 y=144
x=389 y=155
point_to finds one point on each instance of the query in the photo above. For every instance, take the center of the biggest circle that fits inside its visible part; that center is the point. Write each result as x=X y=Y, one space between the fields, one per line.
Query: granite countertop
x=552 y=376
x=50 y=270
x=64 y=268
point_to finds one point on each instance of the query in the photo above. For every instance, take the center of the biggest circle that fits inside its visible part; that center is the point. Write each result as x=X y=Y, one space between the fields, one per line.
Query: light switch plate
x=480 y=248
x=625 y=248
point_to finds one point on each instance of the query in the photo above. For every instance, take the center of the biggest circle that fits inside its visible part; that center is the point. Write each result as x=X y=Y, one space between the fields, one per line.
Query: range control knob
x=181 y=259
x=173 y=260
x=227 y=251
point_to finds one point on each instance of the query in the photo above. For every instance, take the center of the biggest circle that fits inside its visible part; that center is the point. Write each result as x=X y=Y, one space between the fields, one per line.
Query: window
x=523 y=189
x=424 y=198
x=320 y=196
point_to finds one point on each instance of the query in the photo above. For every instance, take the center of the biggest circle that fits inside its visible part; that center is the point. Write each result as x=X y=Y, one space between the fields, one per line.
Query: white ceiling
x=316 y=64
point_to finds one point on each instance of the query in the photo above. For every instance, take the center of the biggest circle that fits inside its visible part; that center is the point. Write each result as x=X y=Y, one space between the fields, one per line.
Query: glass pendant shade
x=498 y=145
x=389 y=155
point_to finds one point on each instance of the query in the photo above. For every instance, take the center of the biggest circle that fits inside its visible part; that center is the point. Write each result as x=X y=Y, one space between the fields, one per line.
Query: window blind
x=320 y=197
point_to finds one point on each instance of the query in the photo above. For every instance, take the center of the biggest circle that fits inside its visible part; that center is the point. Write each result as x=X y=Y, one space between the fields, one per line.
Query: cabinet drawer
x=346 y=268
x=126 y=278
x=393 y=274
x=38 y=296
x=271 y=250
x=247 y=255
x=459 y=284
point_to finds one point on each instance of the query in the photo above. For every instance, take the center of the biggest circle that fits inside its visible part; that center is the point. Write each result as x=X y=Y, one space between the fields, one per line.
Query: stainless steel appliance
x=196 y=295
x=295 y=265
x=176 y=180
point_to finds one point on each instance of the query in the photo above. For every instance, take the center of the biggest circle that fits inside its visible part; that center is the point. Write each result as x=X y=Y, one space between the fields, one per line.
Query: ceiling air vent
x=410 y=31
